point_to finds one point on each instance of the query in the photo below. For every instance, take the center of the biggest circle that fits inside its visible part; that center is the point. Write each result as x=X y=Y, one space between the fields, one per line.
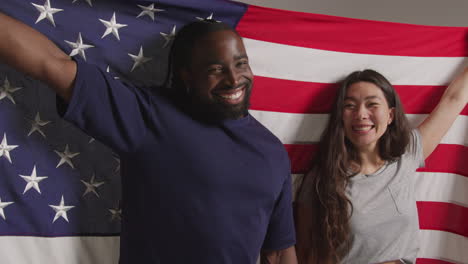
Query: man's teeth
x=232 y=96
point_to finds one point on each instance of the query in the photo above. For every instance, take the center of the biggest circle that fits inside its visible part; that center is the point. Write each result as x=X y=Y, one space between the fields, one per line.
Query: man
x=202 y=180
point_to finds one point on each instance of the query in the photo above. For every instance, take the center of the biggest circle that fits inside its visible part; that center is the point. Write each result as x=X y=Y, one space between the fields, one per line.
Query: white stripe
x=307 y=128
x=312 y=65
x=444 y=246
x=59 y=250
x=441 y=187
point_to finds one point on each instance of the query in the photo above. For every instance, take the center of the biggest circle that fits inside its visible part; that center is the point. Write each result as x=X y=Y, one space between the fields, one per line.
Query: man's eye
x=241 y=64
x=349 y=106
x=215 y=69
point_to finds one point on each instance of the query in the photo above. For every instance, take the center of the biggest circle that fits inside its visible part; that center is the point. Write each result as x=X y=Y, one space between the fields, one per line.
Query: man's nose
x=232 y=77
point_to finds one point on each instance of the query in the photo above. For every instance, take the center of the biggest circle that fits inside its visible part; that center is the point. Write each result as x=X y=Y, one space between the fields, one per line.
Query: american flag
x=60 y=188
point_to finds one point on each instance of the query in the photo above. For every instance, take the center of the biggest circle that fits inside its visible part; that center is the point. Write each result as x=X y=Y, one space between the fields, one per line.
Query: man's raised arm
x=29 y=51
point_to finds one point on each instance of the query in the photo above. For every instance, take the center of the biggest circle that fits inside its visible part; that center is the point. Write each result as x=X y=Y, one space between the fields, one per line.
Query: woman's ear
x=391 y=115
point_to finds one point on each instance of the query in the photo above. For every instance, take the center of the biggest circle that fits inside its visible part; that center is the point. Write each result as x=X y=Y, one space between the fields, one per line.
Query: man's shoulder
x=264 y=130
x=268 y=138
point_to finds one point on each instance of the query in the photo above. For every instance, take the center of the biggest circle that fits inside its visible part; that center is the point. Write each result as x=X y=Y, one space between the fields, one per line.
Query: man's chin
x=231 y=111
x=219 y=110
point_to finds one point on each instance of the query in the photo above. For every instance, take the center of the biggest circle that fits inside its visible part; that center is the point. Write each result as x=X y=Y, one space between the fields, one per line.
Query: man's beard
x=217 y=109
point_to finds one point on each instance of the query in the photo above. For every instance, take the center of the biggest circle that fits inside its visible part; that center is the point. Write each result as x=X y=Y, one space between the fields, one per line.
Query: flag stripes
x=312 y=97
x=442 y=187
x=307 y=128
x=69 y=250
x=352 y=35
x=443 y=216
x=431 y=261
x=443 y=246
x=312 y=65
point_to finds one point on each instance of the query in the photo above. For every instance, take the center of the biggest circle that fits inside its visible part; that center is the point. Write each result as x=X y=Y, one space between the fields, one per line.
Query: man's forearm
x=30 y=52
x=284 y=256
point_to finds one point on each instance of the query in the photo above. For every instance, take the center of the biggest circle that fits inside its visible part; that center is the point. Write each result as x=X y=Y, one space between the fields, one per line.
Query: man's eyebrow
x=213 y=62
x=241 y=56
x=220 y=62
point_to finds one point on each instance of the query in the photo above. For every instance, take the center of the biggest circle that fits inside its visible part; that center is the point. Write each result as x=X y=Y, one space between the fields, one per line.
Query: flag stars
x=116 y=213
x=46 y=11
x=5 y=148
x=112 y=27
x=168 y=36
x=148 y=11
x=61 y=210
x=138 y=59
x=2 y=207
x=108 y=71
x=6 y=90
x=36 y=125
x=33 y=181
x=210 y=17
x=78 y=47
x=91 y=186
x=87 y=1
x=66 y=156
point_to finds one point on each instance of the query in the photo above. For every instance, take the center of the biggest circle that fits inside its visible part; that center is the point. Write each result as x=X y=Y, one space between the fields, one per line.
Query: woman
x=357 y=203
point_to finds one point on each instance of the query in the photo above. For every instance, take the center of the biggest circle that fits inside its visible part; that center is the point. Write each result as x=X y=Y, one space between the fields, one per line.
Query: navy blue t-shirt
x=191 y=192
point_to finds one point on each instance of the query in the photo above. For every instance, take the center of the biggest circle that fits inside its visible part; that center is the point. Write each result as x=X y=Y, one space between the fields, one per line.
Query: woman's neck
x=370 y=161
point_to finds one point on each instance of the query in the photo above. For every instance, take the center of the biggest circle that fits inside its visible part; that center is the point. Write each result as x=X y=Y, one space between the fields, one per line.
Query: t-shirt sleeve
x=281 y=233
x=107 y=109
x=415 y=151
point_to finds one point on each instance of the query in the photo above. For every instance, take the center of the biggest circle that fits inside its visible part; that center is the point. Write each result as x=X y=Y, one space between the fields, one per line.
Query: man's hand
x=283 y=256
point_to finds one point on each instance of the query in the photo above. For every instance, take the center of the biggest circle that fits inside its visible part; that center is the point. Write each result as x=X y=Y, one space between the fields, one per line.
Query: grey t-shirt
x=384 y=223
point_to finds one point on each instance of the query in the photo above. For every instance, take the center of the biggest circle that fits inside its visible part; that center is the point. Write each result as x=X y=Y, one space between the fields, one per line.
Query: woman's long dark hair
x=323 y=189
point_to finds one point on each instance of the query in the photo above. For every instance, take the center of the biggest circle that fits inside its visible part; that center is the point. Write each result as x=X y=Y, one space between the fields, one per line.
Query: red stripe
x=441 y=216
x=445 y=158
x=301 y=156
x=279 y=95
x=448 y=158
x=431 y=261
x=352 y=35
x=288 y=96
